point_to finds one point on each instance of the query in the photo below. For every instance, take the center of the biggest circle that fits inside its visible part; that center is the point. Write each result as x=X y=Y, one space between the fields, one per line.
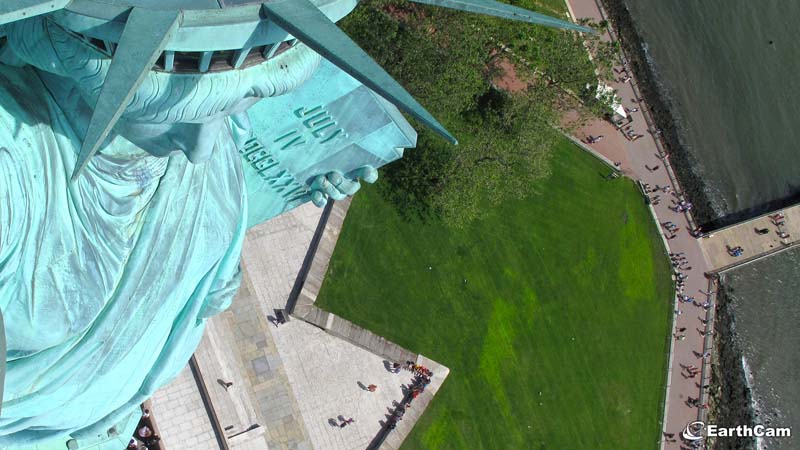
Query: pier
x=757 y=238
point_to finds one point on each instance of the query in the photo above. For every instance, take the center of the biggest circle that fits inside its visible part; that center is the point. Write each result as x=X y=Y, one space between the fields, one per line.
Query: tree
x=506 y=145
x=445 y=59
x=511 y=139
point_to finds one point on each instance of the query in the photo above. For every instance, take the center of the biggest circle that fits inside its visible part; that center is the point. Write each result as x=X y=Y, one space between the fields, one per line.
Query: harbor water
x=766 y=328
x=730 y=72
x=730 y=69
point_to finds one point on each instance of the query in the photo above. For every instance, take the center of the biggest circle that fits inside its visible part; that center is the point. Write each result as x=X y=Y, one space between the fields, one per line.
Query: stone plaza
x=291 y=382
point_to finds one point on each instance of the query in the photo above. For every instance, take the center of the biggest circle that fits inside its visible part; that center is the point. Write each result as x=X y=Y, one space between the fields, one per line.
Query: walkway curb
x=301 y=306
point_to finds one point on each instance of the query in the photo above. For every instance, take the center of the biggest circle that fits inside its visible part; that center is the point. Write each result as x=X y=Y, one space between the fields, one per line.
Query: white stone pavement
x=323 y=371
x=187 y=424
x=273 y=253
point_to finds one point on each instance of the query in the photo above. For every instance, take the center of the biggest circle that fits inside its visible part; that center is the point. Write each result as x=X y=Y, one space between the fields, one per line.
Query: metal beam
x=498 y=9
x=304 y=21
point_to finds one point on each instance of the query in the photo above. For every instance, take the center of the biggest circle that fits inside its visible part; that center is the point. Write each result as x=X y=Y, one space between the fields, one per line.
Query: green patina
x=138 y=141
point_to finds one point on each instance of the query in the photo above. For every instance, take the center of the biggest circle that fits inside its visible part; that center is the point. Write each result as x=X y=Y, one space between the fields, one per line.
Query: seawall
x=731 y=394
x=680 y=158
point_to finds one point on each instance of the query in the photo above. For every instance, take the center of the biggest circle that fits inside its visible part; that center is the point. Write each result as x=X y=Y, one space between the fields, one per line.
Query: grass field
x=558 y=8
x=557 y=339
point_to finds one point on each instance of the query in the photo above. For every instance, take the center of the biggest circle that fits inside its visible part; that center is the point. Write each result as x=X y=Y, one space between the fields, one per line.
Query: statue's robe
x=105 y=282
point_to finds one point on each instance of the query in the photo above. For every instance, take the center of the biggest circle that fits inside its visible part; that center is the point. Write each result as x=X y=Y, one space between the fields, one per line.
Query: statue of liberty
x=139 y=139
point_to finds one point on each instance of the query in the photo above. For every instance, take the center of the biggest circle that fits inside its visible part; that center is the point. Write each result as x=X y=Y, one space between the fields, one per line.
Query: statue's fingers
x=335 y=178
x=319 y=183
x=366 y=173
x=349 y=187
x=331 y=191
x=318 y=199
x=334 y=192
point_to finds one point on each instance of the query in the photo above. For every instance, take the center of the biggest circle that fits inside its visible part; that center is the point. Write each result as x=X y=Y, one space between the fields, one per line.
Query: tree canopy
x=450 y=61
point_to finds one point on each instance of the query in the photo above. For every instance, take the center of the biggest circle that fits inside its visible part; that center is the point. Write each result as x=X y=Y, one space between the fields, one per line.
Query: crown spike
x=304 y=21
x=144 y=37
x=505 y=11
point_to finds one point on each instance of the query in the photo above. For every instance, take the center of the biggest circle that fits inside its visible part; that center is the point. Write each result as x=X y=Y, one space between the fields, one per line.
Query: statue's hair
x=162 y=97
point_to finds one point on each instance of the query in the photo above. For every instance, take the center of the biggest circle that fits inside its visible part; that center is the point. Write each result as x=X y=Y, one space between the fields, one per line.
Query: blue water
x=736 y=98
x=767 y=328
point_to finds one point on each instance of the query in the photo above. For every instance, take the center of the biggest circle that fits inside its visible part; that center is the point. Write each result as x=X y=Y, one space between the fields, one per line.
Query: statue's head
x=166 y=73
x=181 y=107
x=200 y=73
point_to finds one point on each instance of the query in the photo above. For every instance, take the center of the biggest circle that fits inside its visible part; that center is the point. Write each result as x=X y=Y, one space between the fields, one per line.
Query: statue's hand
x=337 y=186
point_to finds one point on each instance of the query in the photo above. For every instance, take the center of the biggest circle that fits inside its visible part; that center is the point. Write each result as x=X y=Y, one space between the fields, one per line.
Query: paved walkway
x=182 y=419
x=291 y=384
x=641 y=160
x=758 y=237
x=328 y=375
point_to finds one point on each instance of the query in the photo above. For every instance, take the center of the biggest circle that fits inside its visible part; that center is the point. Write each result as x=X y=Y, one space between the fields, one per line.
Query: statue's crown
x=211 y=35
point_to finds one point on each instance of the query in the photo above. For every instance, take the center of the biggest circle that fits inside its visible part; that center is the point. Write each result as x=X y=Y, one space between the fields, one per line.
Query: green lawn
x=558 y=338
x=556 y=8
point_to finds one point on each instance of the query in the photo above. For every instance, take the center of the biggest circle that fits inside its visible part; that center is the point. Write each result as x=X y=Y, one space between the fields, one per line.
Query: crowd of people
x=779 y=220
x=680 y=263
x=677 y=203
x=422 y=378
x=679 y=260
x=145 y=438
x=420 y=381
x=735 y=251
x=681 y=206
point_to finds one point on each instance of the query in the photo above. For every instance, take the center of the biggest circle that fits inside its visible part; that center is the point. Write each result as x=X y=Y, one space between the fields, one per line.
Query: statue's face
x=169 y=112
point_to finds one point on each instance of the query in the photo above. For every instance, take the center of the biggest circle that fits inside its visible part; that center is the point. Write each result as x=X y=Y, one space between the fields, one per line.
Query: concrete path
x=758 y=237
x=182 y=419
x=641 y=160
x=287 y=386
x=328 y=375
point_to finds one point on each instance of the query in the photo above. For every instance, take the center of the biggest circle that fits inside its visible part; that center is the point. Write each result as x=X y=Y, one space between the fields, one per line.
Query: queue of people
x=145 y=438
x=422 y=378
